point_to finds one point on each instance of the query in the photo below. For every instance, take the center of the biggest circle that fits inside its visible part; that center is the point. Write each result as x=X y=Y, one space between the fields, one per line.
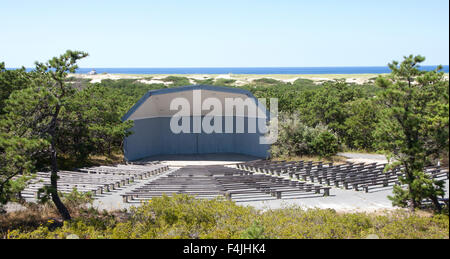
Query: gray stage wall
x=153 y=136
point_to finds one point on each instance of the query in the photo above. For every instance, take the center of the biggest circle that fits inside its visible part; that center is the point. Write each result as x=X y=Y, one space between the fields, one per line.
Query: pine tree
x=414 y=128
x=47 y=121
x=35 y=113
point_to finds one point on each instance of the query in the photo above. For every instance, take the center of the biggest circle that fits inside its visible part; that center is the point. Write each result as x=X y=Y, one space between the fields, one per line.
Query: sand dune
x=240 y=79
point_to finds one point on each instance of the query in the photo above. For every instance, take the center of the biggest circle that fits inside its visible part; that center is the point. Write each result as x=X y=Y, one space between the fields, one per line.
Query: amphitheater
x=230 y=166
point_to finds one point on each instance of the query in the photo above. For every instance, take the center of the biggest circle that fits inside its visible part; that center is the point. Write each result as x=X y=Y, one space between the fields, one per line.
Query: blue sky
x=231 y=33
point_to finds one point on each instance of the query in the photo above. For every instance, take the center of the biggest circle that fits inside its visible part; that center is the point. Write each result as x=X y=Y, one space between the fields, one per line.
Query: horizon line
x=90 y=67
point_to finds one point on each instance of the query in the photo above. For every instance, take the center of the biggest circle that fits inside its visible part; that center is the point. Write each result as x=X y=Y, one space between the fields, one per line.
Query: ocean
x=250 y=70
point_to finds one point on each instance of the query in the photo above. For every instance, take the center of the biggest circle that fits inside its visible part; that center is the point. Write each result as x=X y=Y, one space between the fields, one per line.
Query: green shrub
x=325 y=144
x=185 y=217
x=305 y=84
x=208 y=81
x=177 y=80
x=267 y=81
x=76 y=199
x=224 y=82
x=297 y=139
x=256 y=231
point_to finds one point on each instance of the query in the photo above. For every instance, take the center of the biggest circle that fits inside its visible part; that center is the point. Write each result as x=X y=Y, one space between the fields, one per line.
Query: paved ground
x=114 y=201
x=209 y=159
x=364 y=158
x=339 y=200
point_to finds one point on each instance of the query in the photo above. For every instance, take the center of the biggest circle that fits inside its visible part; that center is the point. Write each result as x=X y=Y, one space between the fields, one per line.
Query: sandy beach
x=241 y=79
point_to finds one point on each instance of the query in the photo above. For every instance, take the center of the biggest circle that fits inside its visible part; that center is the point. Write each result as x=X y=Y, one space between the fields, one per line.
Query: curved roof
x=155 y=103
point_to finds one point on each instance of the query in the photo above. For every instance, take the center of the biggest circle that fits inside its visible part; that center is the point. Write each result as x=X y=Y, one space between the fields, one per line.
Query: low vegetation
x=297 y=139
x=186 y=217
x=224 y=82
x=176 y=80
